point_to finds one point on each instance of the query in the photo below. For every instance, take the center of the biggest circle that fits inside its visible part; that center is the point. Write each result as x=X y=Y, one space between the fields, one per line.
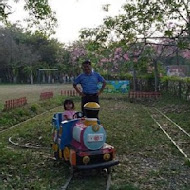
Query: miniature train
x=82 y=141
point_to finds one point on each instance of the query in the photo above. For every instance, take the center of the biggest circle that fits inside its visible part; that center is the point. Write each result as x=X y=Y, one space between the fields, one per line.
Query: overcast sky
x=74 y=15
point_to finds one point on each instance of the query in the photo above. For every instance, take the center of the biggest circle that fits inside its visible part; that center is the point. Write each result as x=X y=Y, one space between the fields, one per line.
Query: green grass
x=17 y=115
x=31 y=92
x=147 y=158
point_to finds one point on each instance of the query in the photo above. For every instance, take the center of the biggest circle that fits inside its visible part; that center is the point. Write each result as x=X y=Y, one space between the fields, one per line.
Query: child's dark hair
x=68 y=101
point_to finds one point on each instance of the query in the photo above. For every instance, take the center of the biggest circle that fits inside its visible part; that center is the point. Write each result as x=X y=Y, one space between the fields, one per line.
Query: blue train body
x=82 y=143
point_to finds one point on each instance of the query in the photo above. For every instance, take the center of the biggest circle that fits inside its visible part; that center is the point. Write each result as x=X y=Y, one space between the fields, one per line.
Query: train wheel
x=60 y=154
x=72 y=157
x=109 y=170
x=66 y=153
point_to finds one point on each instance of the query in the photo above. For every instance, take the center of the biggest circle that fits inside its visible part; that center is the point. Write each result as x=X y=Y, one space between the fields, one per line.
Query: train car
x=82 y=141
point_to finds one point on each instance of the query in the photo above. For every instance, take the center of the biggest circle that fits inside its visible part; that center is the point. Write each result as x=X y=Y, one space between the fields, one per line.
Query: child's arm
x=66 y=117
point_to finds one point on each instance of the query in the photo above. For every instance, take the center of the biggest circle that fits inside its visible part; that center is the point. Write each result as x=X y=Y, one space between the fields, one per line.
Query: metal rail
x=185 y=155
x=168 y=136
x=173 y=122
x=67 y=183
x=108 y=182
x=27 y=146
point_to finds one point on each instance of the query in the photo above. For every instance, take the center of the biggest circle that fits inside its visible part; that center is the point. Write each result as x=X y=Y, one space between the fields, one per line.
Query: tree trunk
x=134 y=78
x=49 y=79
x=14 y=79
x=166 y=86
x=31 y=78
x=44 y=78
x=179 y=90
x=187 y=92
x=156 y=77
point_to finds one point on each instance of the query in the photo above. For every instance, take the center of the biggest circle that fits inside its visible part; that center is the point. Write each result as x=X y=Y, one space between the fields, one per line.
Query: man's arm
x=103 y=86
x=78 y=90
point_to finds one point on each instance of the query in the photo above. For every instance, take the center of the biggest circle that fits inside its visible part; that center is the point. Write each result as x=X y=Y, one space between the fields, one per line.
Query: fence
x=46 y=95
x=179 y=88
x=144 y=95
x=14 y=103
x=69 y=93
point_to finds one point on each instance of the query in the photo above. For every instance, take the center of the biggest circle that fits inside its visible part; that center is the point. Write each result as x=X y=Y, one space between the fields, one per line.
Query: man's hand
x=78 y=90
x=100 y=91
x=82 y=94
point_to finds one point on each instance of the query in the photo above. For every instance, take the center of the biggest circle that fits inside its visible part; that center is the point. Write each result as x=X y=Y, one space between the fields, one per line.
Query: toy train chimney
x=91 y=109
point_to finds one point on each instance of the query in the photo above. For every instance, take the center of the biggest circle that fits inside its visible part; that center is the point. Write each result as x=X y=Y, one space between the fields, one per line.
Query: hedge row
x=176 y=86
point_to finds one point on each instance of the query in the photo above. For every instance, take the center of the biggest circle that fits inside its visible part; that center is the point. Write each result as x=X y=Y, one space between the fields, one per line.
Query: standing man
x=89 y=81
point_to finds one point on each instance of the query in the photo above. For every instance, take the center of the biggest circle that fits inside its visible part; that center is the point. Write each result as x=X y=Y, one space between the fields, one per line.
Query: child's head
x=68 y=104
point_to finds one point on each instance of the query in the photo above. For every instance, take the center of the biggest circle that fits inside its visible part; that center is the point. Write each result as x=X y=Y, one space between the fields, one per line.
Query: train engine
x=82 y=141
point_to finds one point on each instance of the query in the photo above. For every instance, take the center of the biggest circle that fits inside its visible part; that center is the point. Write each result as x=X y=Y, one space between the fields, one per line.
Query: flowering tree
x=78 y=53
x=186 y=54
x=153 y=23
x=114 y=61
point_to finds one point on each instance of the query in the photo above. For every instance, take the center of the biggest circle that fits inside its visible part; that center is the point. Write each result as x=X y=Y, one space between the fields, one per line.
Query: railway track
x=108 y=181
x=30 y=146
x=66 y=185
x=176 y=134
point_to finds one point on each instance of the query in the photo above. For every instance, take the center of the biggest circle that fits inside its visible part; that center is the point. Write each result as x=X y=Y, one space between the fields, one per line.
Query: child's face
x=69 y=106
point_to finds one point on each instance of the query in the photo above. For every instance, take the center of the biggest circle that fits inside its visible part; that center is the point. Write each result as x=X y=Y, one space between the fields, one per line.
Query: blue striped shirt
x=89 y=82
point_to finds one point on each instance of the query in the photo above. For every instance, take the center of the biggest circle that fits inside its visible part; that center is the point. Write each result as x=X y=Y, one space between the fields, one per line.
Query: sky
x=73 y=15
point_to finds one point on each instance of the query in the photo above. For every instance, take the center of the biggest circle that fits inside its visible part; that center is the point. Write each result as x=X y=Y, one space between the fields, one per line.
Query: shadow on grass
x=123 y=187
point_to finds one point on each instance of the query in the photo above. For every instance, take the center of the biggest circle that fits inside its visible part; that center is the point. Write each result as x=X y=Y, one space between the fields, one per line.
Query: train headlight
x=95 y=128
x=86 y=159
x=106 y=157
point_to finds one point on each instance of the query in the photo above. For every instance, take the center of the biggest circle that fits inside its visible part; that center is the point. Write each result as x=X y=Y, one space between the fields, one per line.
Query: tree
x=148 y=23
x=30 y=60
x=16 y=53
x=78 y=53
x=144 y=21
x=24 y=51
x=40 y=15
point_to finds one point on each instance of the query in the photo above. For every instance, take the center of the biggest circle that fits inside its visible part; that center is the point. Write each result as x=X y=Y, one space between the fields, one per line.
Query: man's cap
x=86 y=62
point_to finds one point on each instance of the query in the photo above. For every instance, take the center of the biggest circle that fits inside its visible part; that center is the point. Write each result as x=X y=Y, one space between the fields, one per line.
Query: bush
x=34 y=108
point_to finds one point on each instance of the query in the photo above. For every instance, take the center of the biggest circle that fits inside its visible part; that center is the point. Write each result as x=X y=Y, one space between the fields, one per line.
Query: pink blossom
x=116 y=57
x=171 y=25
x=126 y=57
x=118 y=50
x=100 y=64
x=186 y=54
x=136 y=53
x=104 y=60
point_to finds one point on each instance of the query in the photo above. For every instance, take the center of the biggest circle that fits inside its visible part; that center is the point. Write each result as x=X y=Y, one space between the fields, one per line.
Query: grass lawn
x=148 y=160
x=32 y=92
